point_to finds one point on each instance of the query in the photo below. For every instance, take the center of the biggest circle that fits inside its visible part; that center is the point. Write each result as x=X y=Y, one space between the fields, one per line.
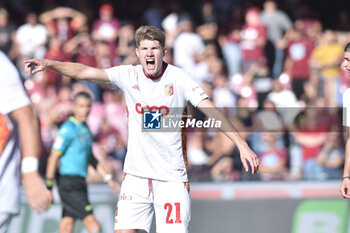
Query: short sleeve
x=62 y=140
x=12 y=93
x=192 y=90
x=119 y=76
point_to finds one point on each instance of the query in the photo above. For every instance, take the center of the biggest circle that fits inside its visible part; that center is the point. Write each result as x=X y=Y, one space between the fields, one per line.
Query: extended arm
x=72 y=70
x=38 y=197
x=247 y=155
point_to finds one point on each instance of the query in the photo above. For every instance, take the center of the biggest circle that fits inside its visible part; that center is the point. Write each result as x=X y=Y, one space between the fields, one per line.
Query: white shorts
x=5 y=219
x=140 y=198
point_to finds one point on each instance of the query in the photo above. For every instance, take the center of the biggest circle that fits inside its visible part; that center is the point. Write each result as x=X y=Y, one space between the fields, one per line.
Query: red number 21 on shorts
x=169 y=206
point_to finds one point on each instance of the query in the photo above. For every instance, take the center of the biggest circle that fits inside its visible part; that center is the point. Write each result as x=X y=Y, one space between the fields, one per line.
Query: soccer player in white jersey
x=155 y=166
x=18 y=126
x=345 y=185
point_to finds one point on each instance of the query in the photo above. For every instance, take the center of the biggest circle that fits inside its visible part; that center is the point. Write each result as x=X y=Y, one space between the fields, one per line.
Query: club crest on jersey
x=152 y=120
x=169 y=89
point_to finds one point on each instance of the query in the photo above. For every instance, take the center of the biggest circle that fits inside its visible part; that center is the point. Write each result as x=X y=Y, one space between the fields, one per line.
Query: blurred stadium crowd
x=274 y=67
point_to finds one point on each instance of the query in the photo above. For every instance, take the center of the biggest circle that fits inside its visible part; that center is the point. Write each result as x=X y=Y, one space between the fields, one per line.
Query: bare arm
x=72 y=45
x=38 y=197
x=310 y=139
x=51 y=167
x=322 y=157
x=62 y=12
x=336 y=162
x=28 y=130
x=52 y=163
x=288 y=65
x=72 y=70
x=247 y=155
x=345 y=185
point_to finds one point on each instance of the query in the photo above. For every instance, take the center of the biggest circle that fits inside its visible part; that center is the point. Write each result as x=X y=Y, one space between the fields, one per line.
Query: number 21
x=169 y=206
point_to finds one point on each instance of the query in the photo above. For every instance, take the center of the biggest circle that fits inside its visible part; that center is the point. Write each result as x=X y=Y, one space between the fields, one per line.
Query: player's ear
x=137 y=52
x=165 y=50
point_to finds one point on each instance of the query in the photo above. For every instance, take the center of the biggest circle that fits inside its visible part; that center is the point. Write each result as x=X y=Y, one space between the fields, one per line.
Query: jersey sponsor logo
x=152 y=120
x=169 y=89
x=4 y=133
x=163 y=110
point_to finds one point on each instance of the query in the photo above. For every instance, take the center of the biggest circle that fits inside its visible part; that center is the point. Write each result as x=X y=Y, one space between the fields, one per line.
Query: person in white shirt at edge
x=19 y=134
x=156 y=165
x=345 y=184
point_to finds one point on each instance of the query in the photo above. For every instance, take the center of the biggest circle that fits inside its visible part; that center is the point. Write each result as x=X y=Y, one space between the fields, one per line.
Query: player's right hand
x=345 y=188
x=39 y=198
x=249 y=157
x=34 y=66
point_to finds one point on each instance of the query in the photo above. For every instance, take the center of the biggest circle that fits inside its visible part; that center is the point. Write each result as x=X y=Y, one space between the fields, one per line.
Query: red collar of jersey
x=165 y=65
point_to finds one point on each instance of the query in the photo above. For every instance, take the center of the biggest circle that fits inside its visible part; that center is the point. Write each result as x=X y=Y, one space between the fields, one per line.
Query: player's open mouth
x=150 y=63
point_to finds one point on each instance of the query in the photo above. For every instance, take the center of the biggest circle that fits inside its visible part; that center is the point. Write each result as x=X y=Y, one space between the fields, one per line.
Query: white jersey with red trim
x=12 y=97
x=156 y=155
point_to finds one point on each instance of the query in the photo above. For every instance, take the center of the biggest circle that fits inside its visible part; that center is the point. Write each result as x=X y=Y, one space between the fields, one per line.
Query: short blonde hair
x=149 y=33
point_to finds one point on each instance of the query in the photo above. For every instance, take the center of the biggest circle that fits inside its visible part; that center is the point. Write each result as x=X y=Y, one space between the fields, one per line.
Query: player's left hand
x=249 y=157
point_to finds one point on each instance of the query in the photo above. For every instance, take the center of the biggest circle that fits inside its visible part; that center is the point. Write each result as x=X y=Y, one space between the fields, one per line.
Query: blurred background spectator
x=277 y=23
x=31 y=38
x=331 y=157
x=325 y=61
x=7 y=34
x=106 y=27
x=189 y=48
x=253 y=39
x=296 y=65
x=63 y=22
x=274 y=159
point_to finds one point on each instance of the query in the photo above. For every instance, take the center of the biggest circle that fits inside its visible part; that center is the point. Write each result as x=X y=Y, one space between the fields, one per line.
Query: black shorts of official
x=74 y=196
